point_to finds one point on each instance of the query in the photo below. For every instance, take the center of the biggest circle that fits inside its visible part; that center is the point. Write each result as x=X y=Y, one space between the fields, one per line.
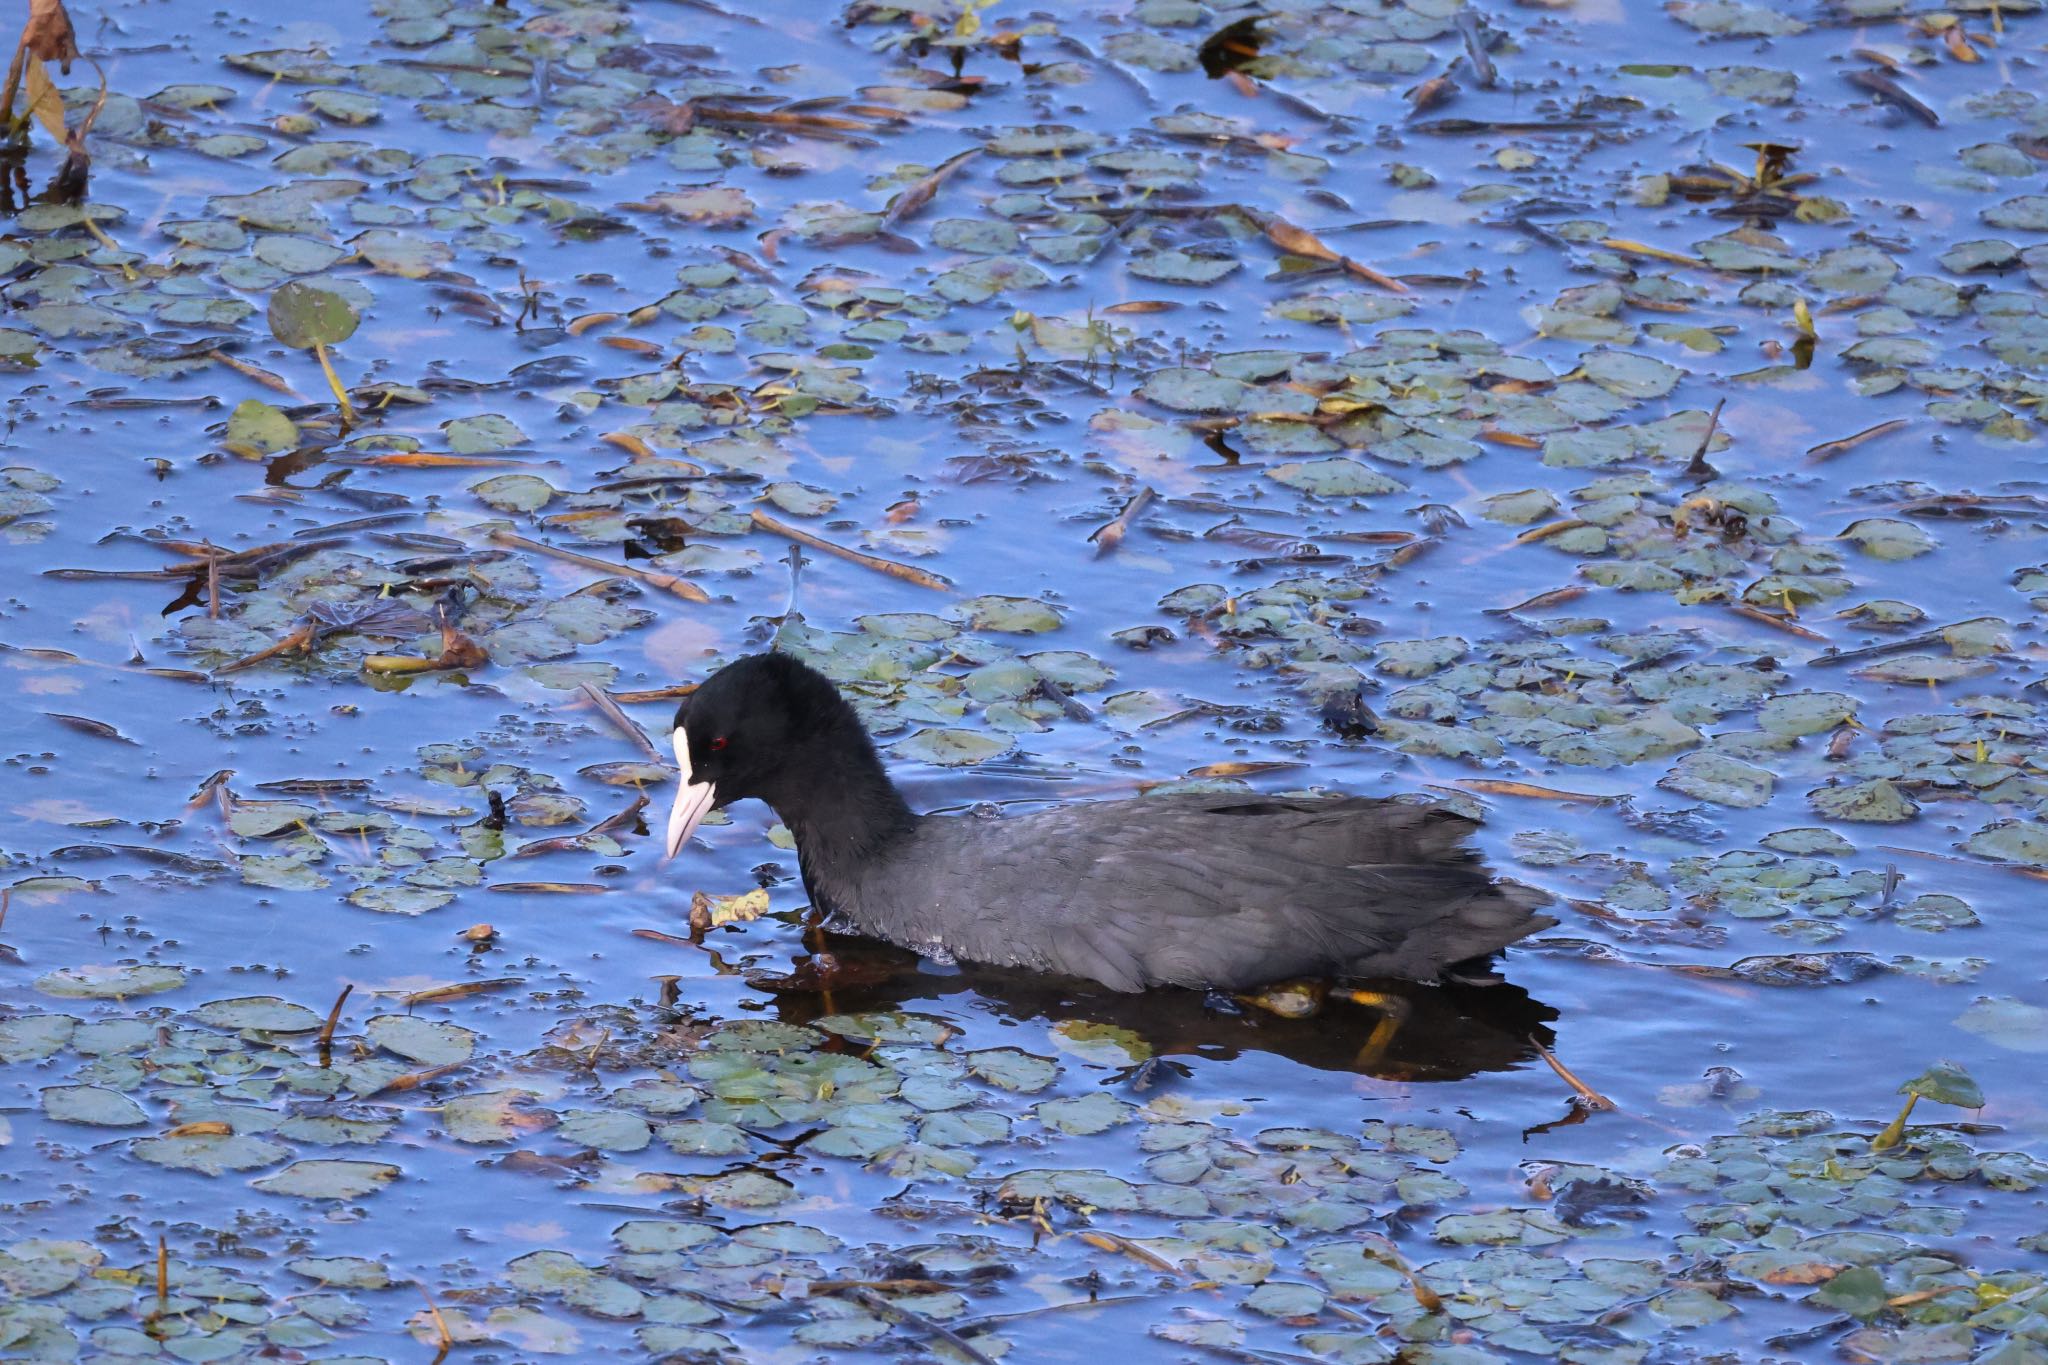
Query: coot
x=1198 y=889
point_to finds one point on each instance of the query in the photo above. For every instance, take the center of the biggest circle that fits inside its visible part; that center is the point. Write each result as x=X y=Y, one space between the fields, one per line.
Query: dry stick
x=1556 y=597
x=276 y=383
x=1657 y=253
x=1761 y=617
x=1697 y=467
x=868 y=561
x=1124 y=1246
x=869 y=1299
x=673 y=692
x=682 y=588
x=2038 y=874
x=1923 y=640
x=163 y=1276
x=212 y=586
x=326 y=1040
x=1592 y=1098
x=625 y=724
x=990 y=1321
x=459 y=990
x=1827 y=450
x=1549 y=529
x=1491 y=786
x=912 y=200
x=1110 y=534
x=446 y=1338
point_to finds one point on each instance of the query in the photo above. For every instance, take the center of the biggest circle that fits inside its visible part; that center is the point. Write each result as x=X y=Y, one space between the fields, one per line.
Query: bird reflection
x=1390 y=1030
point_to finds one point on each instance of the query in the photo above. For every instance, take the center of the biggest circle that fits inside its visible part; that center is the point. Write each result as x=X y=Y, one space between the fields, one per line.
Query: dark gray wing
x=1201 y=890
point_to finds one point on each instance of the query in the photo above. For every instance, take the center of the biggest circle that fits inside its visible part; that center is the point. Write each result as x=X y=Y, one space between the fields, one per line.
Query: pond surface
x=1621 y=421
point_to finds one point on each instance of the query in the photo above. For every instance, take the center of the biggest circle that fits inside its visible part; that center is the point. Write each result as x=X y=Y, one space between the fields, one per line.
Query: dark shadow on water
x=1450 y=1031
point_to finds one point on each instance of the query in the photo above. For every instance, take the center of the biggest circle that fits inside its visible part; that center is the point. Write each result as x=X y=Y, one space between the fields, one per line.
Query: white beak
x=693 y=799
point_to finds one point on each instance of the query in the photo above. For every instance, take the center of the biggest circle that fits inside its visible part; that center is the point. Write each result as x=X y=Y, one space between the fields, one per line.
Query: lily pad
x=430 y=1042
x=303 y=316
x=211 y=1153
x=109 y=982
x=92 y=1104
x=1339 y=476
x=323 y=1179
x=263 y=1012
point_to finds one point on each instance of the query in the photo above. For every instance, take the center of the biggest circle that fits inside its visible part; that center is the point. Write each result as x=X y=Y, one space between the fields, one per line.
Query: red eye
x=718 y=744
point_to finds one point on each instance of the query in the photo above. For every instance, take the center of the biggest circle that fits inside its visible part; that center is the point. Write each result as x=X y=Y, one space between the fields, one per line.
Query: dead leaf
x=48 y=33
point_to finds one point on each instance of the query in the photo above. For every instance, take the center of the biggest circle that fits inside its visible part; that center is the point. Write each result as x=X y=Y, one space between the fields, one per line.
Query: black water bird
x=1204 y=890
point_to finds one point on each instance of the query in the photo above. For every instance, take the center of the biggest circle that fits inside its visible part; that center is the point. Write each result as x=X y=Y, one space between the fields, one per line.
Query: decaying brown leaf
x=49 y=35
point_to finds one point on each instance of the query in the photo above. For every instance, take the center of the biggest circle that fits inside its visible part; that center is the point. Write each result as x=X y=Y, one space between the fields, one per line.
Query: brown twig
x=1588 y=1096
x=624 y=723
x=1110 y=534
x=673 y=692
x=325 y=1042
x=1762 y=617
x=1827 y=450
x=1493 y=786
x=682 y=588
x=869 y=1299
x=1697 y=467
x=888 y=566
x=276 y=383
x=444 y=1338
x=1124 y=1246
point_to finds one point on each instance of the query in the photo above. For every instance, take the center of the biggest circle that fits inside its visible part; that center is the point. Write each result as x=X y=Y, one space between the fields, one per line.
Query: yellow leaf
x=43 y=100
x=739 y=909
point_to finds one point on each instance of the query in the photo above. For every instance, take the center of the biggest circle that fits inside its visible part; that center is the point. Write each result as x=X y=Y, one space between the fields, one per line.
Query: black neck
x=839 y=802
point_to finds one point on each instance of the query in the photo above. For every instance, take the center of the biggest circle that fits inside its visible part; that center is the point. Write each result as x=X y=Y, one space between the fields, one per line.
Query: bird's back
x=1195 y=890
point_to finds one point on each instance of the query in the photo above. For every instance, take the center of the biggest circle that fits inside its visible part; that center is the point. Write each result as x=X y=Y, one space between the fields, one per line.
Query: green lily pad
x=267 y=1013
x=1720 y=779
x=1084 y=1115
x=1946 y=1083
x=258 y=428
x=324 y=1179
x=514 y=492
x=303 y=316
x=1012 y=1069
x=950 y=748
x=1875 y=800
x=92 y=1104
x=1889 y=538
x=430 y=1042
x=400 y=900
x=2012 y=841
x=1339 y=476
x=2006 y=1022
x=211 y=1153
x=109 y=982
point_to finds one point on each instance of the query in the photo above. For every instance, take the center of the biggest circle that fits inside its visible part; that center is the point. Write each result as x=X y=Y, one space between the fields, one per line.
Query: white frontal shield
x=693 y=799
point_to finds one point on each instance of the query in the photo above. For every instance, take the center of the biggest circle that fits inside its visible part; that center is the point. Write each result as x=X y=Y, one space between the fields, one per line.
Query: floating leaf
x=950 y=748
x=430 y=1042
x=109 y=982
x=92 y=1104
x=263 y=1012
x=1340 y=476
x=211 y=1153
x=303 y=316
x=320 y=1179
x=1946 y=1083
x=2008 y=1023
